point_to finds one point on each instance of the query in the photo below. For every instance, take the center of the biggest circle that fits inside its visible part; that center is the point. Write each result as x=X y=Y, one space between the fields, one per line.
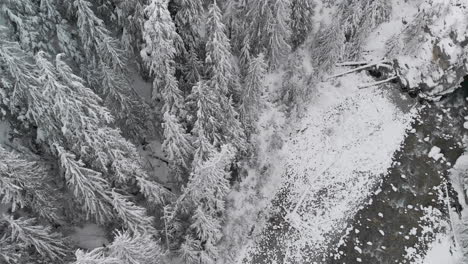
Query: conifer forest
x=233 y=131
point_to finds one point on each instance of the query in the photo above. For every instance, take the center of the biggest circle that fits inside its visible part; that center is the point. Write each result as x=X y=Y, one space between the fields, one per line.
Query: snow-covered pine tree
x=279 y=34
x=87 y=186
x=380 y=11
x=132 y=23
x=328 y=47
x=97 y=42
x=219 y=58
x=160 y=40
x=135 y=248
x=258 y=14
x=203 y=149
x=244 y=56
x=207 y=228
x=296 y=82
x=94 y=36
x=134 y=217
x=73 y=123
x=359 y=19
x=129 y=16
x=188 y=20
x=158 y=54
x=10 y=252
x=25 y=184
x=235 y=18
x=171 y=94
x=301 y=21
x=50 y=17
x=222 y=81
x=191 y=71
x=207 y=127
x=253 y=88
x=17 y=74
x=126 y=248
x=22 y=233
x=87 y=132
x=207 y=139
x=207 y=188
x=106 y=69
x=269 y=31
x=209 y=182
x=177 y=143
x=25 y=18
x=25 y=187
x=67 y=41
x=36 y=23
x=189 y=250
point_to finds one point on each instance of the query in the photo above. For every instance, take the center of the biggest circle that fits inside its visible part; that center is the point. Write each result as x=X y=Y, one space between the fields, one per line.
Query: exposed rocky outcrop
x=430 y=52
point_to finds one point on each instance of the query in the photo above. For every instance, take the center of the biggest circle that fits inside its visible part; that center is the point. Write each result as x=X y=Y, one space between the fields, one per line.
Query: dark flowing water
x=382 y=230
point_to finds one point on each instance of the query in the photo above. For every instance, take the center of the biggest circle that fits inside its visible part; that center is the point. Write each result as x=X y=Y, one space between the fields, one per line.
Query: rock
x=432 y=63
x=435 y=154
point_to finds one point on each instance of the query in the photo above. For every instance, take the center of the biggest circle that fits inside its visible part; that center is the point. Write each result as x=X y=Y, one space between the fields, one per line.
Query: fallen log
x=360 y=68
x=358 y=63
x=352 y=63
x=378 y=83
